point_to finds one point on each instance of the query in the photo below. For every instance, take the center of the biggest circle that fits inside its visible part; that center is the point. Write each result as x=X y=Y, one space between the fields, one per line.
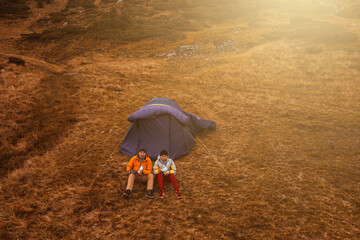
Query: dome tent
x=162 y=124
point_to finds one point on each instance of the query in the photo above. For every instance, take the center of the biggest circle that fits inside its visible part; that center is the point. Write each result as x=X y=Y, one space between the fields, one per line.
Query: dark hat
x=142 y=150
x=163 y=152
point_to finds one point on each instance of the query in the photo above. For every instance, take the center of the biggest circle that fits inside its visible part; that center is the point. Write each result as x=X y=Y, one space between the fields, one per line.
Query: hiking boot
x=149 y=194
x=178 y=194
x=161 y=194
x=127 y=193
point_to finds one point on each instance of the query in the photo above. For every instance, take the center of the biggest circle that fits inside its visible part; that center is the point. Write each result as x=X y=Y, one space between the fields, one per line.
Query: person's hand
x=132 y=171
x=167 y=173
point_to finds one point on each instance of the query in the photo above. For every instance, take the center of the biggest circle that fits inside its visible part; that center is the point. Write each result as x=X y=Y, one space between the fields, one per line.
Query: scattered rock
x=335 y=7
x=65 y=23
x=171 y=54
x=187 y=50
x=17 y=61
x=198 y=49
x=226 y=46
x=161 y=54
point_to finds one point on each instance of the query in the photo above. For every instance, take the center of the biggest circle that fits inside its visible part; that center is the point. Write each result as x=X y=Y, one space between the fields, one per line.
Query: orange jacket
x=135 y=164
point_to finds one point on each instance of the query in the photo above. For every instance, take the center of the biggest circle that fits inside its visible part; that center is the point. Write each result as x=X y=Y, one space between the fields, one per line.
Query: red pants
x=160 y=178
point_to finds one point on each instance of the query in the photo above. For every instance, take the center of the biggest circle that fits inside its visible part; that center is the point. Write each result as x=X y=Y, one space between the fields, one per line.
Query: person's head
x=163 y=155
x=142 y=152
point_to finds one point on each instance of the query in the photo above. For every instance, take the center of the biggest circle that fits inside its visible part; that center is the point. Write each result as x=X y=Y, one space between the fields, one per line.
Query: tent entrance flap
x=154 y=135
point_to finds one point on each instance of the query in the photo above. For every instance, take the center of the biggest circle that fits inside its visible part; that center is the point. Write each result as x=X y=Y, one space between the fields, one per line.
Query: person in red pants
x=164 y=167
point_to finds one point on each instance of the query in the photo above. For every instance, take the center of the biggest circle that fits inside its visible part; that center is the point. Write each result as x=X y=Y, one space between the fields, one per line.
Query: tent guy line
x=203 y=145
x=103 y=165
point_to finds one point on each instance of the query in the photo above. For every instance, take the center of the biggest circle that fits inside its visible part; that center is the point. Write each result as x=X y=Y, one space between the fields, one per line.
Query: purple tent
x=162 y=124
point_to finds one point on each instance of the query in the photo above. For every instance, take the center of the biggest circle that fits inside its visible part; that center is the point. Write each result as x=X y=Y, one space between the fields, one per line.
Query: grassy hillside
x=280 y=79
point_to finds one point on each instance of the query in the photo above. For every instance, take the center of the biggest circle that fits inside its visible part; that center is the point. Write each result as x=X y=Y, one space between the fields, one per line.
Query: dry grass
x=36 y=110
x=281 y=82
x=14 y=9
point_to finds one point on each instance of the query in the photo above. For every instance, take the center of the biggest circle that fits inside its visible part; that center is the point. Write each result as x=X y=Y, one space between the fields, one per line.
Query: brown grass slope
x=280 y=80
x=36 y=110
x=19 y=8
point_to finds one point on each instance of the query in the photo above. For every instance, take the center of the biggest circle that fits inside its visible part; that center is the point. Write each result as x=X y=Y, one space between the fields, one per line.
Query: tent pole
x=169 y=136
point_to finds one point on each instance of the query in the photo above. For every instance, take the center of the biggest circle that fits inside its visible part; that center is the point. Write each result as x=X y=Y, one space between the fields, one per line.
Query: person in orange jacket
x=140 y=169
